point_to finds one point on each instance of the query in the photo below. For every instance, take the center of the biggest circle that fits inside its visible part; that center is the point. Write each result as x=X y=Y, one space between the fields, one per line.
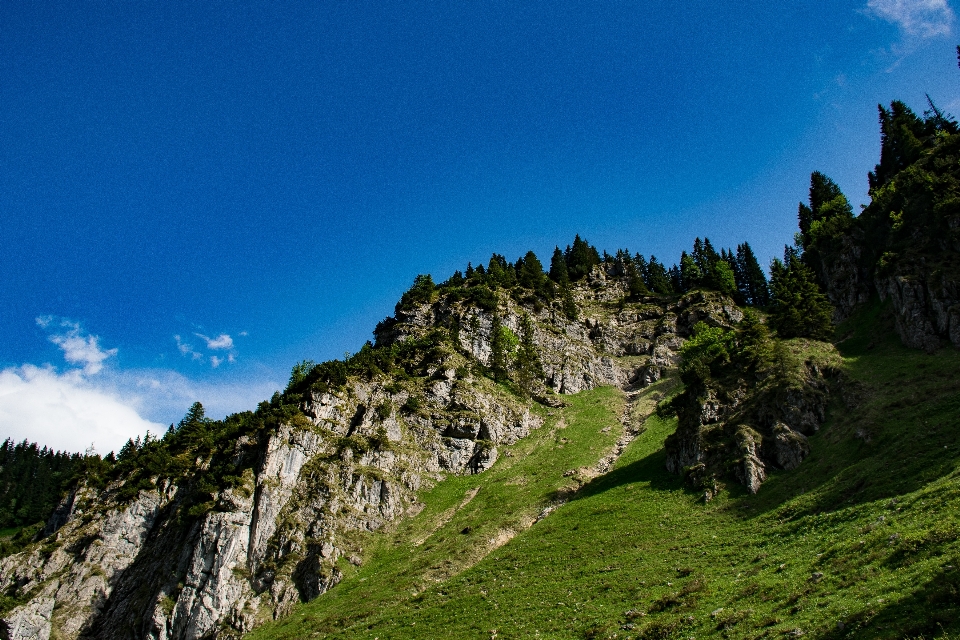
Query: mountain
x=606 y=448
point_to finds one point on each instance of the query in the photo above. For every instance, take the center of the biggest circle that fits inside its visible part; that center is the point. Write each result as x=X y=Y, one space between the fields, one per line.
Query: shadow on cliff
x=128 y=612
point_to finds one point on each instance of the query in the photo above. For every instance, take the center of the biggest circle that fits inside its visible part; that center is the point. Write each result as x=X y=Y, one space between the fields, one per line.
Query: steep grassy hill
x=859 y=542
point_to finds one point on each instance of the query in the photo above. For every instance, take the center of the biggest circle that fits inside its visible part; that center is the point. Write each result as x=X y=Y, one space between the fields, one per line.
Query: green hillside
x=860 y=541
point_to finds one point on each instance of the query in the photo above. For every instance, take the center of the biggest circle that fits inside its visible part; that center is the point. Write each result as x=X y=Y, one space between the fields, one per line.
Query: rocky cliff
x=147 y=558
x=905 y=245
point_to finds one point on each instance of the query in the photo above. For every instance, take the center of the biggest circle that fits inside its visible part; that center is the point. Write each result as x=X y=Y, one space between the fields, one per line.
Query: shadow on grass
x=931 y=610
x=650 y=470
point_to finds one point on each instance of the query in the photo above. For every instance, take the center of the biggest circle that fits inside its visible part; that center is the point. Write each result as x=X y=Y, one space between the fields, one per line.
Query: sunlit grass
x=860 y=541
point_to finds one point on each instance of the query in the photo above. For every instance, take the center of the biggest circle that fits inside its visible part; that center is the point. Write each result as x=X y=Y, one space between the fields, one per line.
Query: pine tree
x=580 y=258
x=753 y=281
x=658 y=281
x=558 y=273
x=528 y=366
x=799 y=309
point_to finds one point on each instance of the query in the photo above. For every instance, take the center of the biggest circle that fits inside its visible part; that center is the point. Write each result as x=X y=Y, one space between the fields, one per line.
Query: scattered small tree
x=503 y=344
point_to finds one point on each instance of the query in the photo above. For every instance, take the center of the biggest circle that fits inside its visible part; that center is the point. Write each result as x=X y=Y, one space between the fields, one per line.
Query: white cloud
x=104 y=405
x=919 y=18
x=64 y=411
x=77 y=348
x=187 y=349
x=222 y=341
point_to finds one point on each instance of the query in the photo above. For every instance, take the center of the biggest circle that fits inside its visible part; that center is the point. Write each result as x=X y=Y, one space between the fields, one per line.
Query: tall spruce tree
x=530 y=273
x=558 y=273
x=529 y=369
x=635 y=283
x=658 y=281
x=581 y=258
x=676 y=279
x=799 y=309
x=753 y=281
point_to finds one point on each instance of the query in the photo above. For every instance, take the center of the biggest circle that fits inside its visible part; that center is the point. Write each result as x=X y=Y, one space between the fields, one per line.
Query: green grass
x=861 y=541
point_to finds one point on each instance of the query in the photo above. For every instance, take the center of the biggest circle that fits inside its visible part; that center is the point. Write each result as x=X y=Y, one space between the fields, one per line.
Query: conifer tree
x=558 y=273
x=900 y=146
x=528 y=366
x=635 y=282
x=799 y=309
x=420 y=293
x=580 y=258
x=753 y=281
x=658 y=281
x=501 y=272
x=456 y=279
x=722 y=278
x=676 y=279
x=690 y=272
x=530 y=273
x=558 y=267
x=642 y=267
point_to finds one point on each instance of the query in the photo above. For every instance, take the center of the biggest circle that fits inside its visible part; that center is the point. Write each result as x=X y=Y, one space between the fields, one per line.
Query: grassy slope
x=860 y=541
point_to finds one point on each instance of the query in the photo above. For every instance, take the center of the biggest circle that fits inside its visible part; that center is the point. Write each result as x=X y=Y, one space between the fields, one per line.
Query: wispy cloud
x=77 y=348
x=222 y=341
x=96 y=402
x=186 y=349
x=917 y=18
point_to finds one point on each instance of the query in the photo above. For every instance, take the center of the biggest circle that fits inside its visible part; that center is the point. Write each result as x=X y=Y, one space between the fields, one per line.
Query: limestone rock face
x=30 y=621
x=271 y=542
x=166 y=566
x=926 y=309
x=847 y=282
x=923 y=290
x=750 y=469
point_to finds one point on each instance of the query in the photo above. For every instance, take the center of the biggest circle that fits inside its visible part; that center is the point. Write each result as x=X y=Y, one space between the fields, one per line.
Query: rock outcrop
x=158 y=564
x=750 y=427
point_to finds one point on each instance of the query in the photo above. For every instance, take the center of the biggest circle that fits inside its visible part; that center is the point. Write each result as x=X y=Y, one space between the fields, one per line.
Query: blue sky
x=195 y=197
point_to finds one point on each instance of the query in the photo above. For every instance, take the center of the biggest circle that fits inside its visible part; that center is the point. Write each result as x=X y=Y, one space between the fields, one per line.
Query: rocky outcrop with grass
x=749 y=404
x=905 y=245
x=221 y=525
